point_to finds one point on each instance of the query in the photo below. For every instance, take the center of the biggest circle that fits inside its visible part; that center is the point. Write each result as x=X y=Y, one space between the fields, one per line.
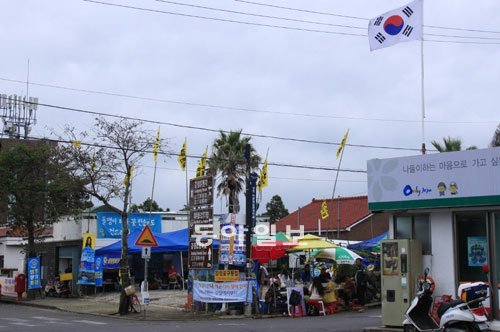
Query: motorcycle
x=464 y=314
x=56 y=288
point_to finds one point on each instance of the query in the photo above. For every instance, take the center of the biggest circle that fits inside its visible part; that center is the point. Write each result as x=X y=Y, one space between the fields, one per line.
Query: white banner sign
x=218 y=292
x=463 y=178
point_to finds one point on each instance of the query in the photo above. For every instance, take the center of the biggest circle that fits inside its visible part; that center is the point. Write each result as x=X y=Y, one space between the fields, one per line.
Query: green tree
x=37 y=188
x=107 y=160
x=495 y=141
x=451 y=144
x=228 y=162
x=146 y=206
x=275 y=209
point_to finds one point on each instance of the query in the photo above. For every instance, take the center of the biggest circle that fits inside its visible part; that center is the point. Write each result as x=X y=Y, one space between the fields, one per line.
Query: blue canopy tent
x=372 y=245
x=167 y=242
x=177 y=241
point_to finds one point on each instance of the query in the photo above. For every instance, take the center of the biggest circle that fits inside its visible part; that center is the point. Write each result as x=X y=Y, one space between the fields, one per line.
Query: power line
x=304 y=10
x=222 y=19
x=305 y=21
x=278 y=164
x=260 y=15
x=357 y=17
x=218 y=131
x=251 y=23
x=271 y=177
x=238 y=109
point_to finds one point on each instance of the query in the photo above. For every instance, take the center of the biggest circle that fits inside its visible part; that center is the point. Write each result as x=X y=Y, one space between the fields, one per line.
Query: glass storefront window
x=414 y=228
x=403 y=228
x=472 y=246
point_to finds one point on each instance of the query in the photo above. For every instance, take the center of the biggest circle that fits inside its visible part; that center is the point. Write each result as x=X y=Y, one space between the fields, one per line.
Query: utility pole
x=248 y=223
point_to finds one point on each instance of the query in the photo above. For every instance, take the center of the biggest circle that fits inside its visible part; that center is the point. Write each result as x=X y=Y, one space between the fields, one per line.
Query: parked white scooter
x=465 y=314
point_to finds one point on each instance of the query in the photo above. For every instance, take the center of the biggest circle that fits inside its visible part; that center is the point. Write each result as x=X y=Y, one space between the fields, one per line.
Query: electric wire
x=357 y=17
x=71 y=109
x=263 y=24
x=239 y=109
x=307 y=21
x=222 y=19
x=278 y=164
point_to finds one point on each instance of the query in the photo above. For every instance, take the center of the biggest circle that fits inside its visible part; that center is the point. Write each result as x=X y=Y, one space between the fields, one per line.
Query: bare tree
x=106 y=160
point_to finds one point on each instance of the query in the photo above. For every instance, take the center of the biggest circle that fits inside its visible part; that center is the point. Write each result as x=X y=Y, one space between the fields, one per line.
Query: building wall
x=442 y=260
x=67 y=229
x=14 y=257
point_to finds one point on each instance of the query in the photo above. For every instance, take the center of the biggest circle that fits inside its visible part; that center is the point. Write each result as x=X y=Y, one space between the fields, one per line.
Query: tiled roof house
x=349 y=216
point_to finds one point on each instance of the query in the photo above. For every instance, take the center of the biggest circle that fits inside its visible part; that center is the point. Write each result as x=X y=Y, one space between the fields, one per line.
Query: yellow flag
x=76 y=144
x=182 y=156
x=324 y=210
x=342 y=144
x=128 y=176
x=157 y=145
x=263 y=178
x=200 y=170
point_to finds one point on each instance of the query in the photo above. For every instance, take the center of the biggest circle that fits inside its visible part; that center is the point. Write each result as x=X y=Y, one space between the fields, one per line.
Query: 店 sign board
x=200 y=256
x=449 y=179
x=227 y=275
x=200 y=217
x=201 y=191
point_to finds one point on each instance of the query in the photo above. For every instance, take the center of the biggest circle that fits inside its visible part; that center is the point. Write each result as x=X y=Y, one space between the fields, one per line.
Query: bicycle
x=135 y=304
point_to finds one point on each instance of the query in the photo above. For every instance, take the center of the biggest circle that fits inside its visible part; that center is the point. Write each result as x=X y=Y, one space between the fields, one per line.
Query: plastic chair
x=296 y=310
x=332 y=308
x=319 y=304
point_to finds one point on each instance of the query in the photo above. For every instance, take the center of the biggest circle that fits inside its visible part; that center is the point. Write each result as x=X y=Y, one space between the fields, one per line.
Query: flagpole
x=334 y=188
x=341 y=149
x=422 y=83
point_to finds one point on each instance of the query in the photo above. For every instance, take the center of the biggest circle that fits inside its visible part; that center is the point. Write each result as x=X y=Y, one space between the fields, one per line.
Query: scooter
x=56 y=288
x=464 y=314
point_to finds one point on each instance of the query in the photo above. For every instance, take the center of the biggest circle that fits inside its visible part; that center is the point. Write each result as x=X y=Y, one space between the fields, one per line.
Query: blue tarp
x=167 y=242
x=369 y=244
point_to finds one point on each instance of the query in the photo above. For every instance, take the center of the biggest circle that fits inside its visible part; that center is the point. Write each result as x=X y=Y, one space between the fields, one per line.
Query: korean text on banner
x=212 y=292
x=34 y=281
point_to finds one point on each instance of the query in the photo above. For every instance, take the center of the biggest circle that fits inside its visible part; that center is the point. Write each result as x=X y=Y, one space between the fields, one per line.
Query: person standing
x=263 y=276
x=305 y=276
x=360 y=278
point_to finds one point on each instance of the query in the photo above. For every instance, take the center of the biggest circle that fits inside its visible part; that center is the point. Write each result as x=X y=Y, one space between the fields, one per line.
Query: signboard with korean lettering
x=200 y=255
x=462 y=178
x=232 y=249
x=227 y=275
x=204 y=216
x=213 y=292
x=201 y=191
x=109 y=224
x=34 y=277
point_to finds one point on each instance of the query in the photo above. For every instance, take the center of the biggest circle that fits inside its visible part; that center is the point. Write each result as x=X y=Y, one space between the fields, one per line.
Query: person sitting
x=174 y=277
x=316 y=290
x=284 y=277
x=154 y=282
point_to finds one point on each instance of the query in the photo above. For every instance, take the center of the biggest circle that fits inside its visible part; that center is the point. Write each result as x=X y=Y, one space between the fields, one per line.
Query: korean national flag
x=398 y=25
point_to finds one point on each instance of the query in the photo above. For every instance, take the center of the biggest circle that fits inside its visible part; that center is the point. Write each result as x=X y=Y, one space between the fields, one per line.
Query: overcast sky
x=304 y=85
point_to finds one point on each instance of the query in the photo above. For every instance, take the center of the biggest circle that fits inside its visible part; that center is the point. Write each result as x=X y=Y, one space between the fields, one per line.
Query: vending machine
x=401 y=265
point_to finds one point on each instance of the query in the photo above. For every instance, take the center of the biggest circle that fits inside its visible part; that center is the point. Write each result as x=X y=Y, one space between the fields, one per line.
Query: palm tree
x=495 y=141
x=451 y=144
x=228 y=161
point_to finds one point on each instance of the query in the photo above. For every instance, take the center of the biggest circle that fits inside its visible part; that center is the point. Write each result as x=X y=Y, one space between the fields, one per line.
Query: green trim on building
x=435 y=203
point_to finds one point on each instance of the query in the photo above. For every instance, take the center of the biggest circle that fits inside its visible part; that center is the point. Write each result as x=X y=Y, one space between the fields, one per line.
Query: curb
x=131 y=316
